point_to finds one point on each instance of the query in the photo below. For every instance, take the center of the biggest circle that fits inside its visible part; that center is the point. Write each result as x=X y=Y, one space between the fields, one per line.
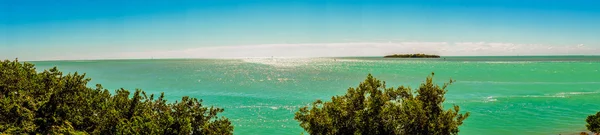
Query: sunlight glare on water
x=260 y=95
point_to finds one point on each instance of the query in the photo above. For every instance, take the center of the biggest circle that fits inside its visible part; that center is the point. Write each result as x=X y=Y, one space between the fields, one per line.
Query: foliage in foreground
x=593 y=123
x=373 y=109
x=52 y=103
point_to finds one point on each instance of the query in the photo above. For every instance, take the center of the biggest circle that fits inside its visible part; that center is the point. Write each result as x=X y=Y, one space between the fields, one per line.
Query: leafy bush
x=593 y=123
x=373 y=109
x=52 y=103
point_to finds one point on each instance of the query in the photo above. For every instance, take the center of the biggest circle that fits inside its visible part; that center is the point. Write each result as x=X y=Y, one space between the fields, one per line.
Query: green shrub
x=52 y=103
x=373 y=109
x=593 y=123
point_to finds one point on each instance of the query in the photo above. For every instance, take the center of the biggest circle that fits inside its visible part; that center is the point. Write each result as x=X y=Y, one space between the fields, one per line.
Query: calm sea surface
x=505 y=95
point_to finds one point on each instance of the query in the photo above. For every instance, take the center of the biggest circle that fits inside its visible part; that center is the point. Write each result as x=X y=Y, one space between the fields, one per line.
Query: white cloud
x=351 y=49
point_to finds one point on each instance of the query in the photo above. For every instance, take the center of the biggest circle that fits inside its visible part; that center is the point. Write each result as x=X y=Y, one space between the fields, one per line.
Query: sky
x=134 y=29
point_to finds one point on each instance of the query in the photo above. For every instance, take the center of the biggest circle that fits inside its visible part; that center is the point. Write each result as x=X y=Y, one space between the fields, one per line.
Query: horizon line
x=377 y=56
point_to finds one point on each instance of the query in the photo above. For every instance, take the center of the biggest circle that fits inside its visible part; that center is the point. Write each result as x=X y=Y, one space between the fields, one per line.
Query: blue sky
x=81 y=29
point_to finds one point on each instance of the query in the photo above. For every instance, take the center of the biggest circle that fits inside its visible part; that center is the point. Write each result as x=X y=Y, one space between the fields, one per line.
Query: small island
x=412 y=56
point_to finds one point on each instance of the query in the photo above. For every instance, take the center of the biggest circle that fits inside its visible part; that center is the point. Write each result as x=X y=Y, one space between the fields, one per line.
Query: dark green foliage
x=593 y=123
x=52 y=103
x=373 y=109
x=420 y=55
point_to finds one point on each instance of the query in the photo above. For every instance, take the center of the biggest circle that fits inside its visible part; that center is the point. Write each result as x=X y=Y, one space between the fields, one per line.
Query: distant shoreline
x=411 y=56
x=453 y=56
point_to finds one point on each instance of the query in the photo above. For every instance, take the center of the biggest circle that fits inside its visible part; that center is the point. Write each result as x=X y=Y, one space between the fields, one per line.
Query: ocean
x=505 y=95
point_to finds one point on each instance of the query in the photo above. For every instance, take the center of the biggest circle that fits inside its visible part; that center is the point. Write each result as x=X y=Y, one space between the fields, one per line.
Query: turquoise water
x=505 y=95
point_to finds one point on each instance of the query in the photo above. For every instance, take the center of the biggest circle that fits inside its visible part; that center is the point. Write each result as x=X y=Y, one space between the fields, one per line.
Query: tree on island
x=373 y=109
x=52 y=103
x=593 y=123
x=420 y=55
